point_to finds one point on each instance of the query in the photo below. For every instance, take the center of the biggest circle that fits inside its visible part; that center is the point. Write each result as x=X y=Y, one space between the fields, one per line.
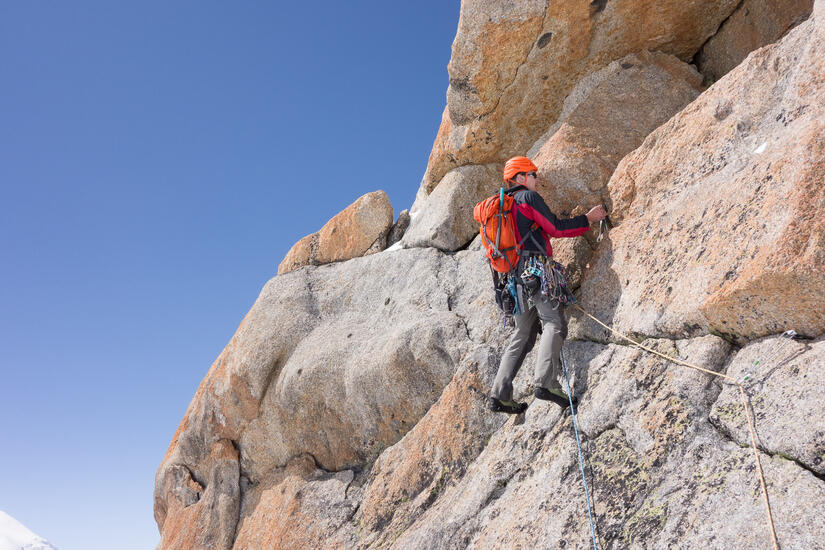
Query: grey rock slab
x=631 y=388
x=445 y=219
x=299 y=507
x=785 y=386
x=711 y=497
x=524 y=488
x=336 y=362
x=411 y=474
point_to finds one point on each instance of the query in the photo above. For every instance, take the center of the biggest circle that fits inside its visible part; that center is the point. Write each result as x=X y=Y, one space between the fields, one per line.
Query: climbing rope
x=579 y=445
x=744 y=403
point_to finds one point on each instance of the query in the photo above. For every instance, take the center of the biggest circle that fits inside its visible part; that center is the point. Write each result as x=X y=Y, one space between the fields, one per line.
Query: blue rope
x=579 y=445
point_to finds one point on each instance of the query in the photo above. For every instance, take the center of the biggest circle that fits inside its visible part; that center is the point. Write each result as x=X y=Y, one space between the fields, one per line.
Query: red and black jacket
x=533 y=215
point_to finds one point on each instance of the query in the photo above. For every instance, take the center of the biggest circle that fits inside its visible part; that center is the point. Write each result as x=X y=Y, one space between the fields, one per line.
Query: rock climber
x=533 y=216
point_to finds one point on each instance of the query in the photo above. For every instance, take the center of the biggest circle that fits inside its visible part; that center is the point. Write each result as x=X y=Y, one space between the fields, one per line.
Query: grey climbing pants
x=548 y=362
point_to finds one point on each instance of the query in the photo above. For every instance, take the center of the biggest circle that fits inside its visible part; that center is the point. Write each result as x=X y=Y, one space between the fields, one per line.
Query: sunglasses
x=534 y=174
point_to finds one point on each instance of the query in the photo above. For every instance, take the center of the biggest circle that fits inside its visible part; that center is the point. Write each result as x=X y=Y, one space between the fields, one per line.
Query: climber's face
x=531 y=180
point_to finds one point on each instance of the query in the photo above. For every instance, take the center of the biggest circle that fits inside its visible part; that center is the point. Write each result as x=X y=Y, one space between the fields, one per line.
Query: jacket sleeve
x=536 y=209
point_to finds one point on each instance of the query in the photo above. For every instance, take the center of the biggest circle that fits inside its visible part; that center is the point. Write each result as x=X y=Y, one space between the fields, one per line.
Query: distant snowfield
x=15 y=536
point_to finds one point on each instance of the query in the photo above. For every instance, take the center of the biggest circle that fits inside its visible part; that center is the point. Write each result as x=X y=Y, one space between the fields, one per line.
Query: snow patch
x=761 y=149
x=15 y=536
x=396 y=246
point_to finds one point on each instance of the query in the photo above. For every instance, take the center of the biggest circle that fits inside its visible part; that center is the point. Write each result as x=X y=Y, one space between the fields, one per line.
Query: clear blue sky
x=156 y=163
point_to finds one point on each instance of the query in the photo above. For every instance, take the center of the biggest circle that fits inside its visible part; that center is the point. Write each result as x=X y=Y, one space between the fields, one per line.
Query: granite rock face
x=199 y=514
x=349 y=410
x=659 y=473
x=785 y=385
x=606 y=116
x=513 y=64
x=358 y=230
x=720 y=207
x=299 y=506
x=333 y=362
x=754 y=24
x=410 y=476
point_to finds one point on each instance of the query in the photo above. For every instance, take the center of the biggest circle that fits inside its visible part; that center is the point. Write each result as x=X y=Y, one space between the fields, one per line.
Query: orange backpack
x=497 y=217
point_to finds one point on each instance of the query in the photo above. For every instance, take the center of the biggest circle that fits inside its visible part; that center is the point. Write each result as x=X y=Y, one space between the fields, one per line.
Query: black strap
x=538 y=244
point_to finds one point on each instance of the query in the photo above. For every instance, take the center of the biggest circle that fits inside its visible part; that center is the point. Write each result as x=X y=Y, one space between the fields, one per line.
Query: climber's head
x=521 y=171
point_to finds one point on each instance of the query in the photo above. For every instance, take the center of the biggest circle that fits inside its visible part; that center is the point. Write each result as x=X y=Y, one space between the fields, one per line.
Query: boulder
x=445 y=219
x=720 y=208
x=606 y=116
x=513 y=63
x=358 y=230
x=304 y=252
x=754 y=24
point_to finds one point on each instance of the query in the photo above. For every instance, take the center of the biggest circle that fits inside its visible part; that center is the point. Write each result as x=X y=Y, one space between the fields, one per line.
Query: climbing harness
x=548 y=275
x=744 y=404
x=579 y=446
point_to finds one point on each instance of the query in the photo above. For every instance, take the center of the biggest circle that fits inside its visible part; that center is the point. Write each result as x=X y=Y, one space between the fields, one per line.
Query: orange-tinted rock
x=199 y=515
x=358 y=230
x=606 y=116
x=409 y=476
x=513 y=63
x=298 y=507
x=304 y=252
x=721 y=207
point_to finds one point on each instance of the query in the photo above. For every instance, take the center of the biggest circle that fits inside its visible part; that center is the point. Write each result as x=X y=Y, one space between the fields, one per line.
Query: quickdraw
x=513 y=290
x=550 y=276
x=604 y=225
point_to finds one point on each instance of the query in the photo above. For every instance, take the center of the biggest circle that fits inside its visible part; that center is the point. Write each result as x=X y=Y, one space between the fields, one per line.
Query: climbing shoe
x=556 y=396
x=509 y=407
